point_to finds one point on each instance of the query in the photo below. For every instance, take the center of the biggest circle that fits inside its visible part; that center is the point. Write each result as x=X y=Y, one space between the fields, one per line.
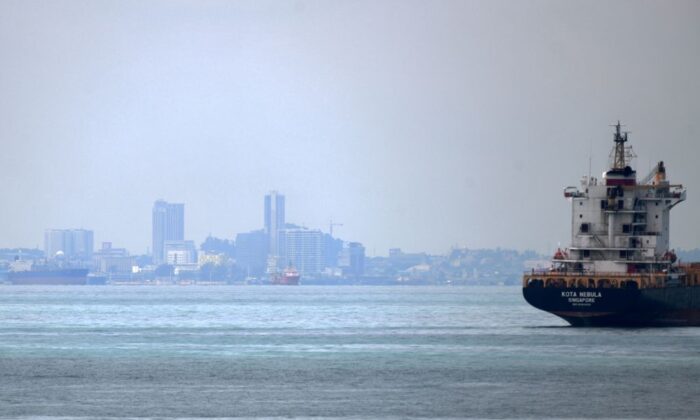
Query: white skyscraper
x=303 y=249
x=168 y=225
x=274 y=221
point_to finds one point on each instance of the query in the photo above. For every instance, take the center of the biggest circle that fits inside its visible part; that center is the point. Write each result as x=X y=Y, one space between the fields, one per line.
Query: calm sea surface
x=362 y=352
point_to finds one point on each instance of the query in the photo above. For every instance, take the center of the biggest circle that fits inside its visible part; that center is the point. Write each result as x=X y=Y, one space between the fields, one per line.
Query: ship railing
x=556 y=272
x=604 y=233
x=615 y=280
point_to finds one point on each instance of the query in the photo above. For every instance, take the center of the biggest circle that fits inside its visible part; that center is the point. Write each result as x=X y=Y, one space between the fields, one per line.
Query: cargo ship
x=49 y=276
x=619 y=269
x=289 y=277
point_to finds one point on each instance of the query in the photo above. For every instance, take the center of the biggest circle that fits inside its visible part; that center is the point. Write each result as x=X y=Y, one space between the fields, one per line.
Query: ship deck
x=689 y=275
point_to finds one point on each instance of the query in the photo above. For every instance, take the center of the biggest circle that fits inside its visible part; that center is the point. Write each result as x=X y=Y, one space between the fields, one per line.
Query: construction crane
x=332 y=225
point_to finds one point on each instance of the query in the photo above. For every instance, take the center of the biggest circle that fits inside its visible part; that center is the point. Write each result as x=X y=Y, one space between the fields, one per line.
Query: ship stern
x=583 y=307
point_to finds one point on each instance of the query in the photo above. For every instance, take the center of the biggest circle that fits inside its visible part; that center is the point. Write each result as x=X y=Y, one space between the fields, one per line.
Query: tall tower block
x=274 y=221
x=168 y=225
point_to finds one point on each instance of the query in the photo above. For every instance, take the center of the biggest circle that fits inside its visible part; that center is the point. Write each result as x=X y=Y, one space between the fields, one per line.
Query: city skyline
x=387 y=209
x=168 y=234
x=457 y=123
x=177 y=222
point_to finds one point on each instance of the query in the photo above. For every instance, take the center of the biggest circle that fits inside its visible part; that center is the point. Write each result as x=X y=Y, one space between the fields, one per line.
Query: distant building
x=251 y=252
x=11 y=254
x=352 y=259
x=332 y=247
x=303 y=249
x=55 y=242
x=400 y=260
x=180 y=252
x=205 y=258
x=113 y=260
x=212 y=245
x=168 y=225
x=274 y=221
x=69 y=243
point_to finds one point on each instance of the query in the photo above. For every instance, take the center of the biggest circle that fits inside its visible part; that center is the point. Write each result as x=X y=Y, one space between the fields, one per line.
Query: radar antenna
x=622 y=155
x=620 y=140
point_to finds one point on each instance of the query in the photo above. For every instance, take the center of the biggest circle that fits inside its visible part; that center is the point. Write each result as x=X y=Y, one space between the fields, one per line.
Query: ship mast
x=619 y=161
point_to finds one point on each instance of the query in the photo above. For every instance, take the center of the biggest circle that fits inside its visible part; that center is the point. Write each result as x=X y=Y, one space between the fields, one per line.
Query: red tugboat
x=290 y=277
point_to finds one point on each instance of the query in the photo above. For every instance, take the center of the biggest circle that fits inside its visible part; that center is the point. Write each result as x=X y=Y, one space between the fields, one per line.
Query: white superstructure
x=620 y=225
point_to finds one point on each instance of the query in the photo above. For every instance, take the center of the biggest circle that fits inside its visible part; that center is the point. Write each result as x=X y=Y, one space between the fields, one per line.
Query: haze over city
x=418 y=125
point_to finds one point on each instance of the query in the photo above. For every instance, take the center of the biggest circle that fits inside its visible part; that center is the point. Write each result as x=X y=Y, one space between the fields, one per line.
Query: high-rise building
x=83 y=243
x=69 y=243
x=274 y=221
x=251 y=252
x=332 y=248
x=352 y=259
x=303 y=249
x=168 y=225
x=54 y=242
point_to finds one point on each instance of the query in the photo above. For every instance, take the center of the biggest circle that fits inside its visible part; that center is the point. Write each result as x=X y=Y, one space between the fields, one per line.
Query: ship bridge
x=621 y=225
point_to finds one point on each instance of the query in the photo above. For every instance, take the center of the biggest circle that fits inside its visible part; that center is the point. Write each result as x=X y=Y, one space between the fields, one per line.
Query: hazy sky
x=417 y=124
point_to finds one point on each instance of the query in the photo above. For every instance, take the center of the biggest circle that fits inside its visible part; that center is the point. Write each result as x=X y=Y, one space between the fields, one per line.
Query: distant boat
x=289 y=277
x=60 y=276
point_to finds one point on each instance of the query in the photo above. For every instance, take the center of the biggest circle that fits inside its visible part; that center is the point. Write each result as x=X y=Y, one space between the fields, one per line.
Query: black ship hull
x=76 y=276
x=608 y=307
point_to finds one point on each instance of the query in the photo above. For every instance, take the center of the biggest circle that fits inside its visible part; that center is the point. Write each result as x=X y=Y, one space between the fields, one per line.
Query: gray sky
x=417 y=124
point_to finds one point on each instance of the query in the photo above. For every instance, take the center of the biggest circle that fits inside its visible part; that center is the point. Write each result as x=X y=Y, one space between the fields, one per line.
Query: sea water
x=360 y=352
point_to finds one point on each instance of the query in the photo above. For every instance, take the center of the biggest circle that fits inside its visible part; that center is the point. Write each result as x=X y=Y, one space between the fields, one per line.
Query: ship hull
x=294 y=281
x=59 y=277
x=606 y=307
